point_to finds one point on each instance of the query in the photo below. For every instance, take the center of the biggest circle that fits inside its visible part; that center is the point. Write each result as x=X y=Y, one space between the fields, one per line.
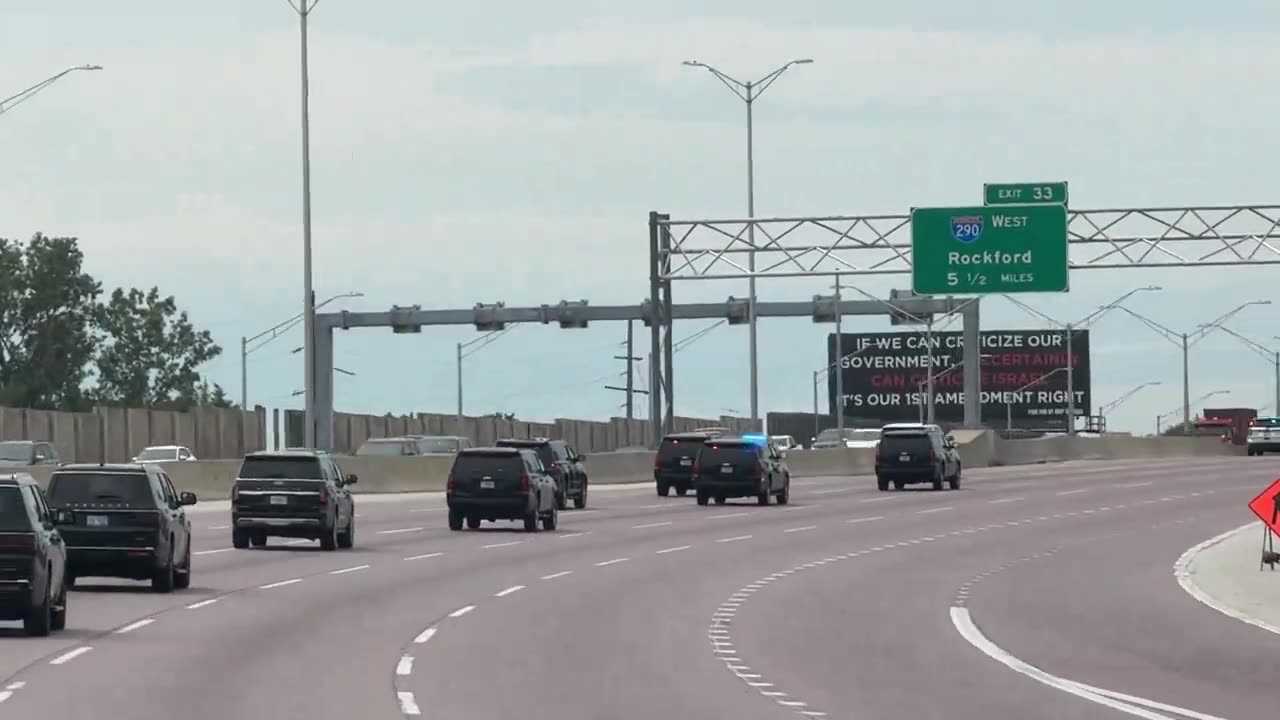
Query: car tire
x=703 y=498
x=58 y=614
x=580 y=502
x=162 y=579
x=455 y=520
x=240 y=539
x=682 y=490
x=784 y=495
x=38 y=621
x=258 y=539
x=937 y=480
x=347 y=540
x=182 y=578
x=663 y=489
x=720 y=499
x=551 y=520
x=762 y=498
x=531 y=521
x=882 y=483
x=954 y=480
x=899 y=485
x=473 y=522
x=329 y=540
x=562 y=501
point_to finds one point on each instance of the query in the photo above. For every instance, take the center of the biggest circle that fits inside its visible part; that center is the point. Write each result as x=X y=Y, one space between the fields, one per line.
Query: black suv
x=296 y=493
x=732 y=467
x=909 y=453
x=500 y=483
x=563 y=464
x=673 y=465
x=123 y=521
x=33 y=559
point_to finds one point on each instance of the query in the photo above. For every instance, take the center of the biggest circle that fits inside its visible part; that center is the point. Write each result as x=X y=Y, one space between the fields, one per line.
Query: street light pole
x=14 y=101
x=483 y=340
x=748 y=92
x=303 y=8
x=274 y=333
x=839 y=369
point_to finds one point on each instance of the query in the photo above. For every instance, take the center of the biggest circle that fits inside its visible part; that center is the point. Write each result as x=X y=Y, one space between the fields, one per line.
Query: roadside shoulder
x=1222 y=572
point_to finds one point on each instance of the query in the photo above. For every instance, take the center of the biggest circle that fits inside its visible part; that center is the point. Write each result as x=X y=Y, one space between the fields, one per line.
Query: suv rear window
x=1266 y=422
x=101 y=488
x=13 y=511
x=672 y=448
x=905 y=442
x=481 y=464
x=288 y=468
x=737 y=453
x=543 y=449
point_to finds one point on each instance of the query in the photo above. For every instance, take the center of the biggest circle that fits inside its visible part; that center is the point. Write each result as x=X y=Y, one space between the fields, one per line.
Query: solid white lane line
x=508 y=591
x=1004 y=500
x=282 y=583
x=203 y=603
x=344 y=571
x=425 y=635
x=424 y=557
x=611 y=562
x=1151 y=704
x=733 y=539
x=865 y=519
x=135 y=625
x=1072 y=492
x=6 y=695
x=408 y=705
x=69 y=656
x=399 y=530
x=211 y=552
x=462 y=611
x=673 y=549
x=1182 y=571
x=405 y=666
x=560 y=574
x=934 y=510
x=727 y=515
x=963 y=623
x=501 y=544
x=650 y=525
x=801 y=529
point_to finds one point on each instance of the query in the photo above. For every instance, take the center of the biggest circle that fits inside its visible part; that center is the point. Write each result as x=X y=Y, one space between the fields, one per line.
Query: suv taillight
x=324 y=494
x=235 y=493
x=525 y=482
x=451 y=483
x=760 y=469
x=25 y=542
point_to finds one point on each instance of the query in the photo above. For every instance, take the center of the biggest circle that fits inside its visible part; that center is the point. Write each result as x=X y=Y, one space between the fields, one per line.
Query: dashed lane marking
x=673 y=549
x=424 y=636
x=67 y=657
x=462 y=611
x=212 y=552
x=282 y=583
x=611 y=562
x=878 y=499
x=425 y=556
x=408 y=705
x=727 y=515
x=560 y=574
x=135 y=625
x=651 y=525
x=219 y=527
x=829 y=492
x=203 y=603
x=573 y=535
x=405 y=666
x=344 y=571
x=400 y=530
x=1004 y=500
x=934 y=510
x=508 y=591
x=502 y=544
x=1077 y=491
x=734 y=539
x=1137 y=484
x=801 y=529
x=865 y=519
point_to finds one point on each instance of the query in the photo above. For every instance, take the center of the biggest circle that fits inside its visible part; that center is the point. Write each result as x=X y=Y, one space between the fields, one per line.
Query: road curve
x=838 y=604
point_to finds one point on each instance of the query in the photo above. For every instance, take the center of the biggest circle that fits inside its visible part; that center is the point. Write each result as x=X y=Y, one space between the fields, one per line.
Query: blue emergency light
x=756 y=438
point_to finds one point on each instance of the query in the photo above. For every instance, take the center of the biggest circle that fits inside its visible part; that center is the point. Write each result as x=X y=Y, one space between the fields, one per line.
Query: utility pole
x=631 y=359
x=1071 y=385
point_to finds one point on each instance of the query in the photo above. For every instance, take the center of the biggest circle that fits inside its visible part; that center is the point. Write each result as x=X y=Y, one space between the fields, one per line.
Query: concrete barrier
x=212 y=479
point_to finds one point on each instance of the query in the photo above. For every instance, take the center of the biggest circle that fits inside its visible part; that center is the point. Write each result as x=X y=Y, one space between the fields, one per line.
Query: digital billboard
x=1023 y=376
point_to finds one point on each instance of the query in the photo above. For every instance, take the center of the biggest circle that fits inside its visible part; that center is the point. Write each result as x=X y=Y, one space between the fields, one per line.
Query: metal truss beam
x=881 y=244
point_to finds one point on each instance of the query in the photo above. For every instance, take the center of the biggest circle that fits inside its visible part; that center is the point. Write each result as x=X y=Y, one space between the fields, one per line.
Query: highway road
x=846 y=603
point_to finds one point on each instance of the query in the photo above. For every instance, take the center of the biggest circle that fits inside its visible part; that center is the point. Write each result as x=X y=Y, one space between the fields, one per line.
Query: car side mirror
x=63 y=517
x=580 y=458
x=40 y=458
x=186 y=498
x=351 y=479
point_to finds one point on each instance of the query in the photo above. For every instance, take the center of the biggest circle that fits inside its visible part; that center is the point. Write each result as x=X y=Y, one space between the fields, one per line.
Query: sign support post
x=1071 y=385
x=839 y=369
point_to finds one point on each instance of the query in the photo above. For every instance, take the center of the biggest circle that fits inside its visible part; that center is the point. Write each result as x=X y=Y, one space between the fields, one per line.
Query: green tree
x=152 y=353
x=48 y=308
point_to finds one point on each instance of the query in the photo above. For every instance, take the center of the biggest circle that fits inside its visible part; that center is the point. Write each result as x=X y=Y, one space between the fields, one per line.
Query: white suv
x=1264 y=435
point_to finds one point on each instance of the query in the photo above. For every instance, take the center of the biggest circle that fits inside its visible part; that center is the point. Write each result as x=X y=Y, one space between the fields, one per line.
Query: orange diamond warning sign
x=1267 y=507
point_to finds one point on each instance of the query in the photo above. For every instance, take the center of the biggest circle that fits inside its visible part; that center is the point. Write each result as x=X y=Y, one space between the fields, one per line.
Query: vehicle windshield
x=382 y=448
x=862 y=435
x=1267 y=422
x=101 y=488
x=439 y=445
x=281 y=467
x=13 y=511
x=15 y=451
x=543 y=449
x=904 y=442
x=158 y=454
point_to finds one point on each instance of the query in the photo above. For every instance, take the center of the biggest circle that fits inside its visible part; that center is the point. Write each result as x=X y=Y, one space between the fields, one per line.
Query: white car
x=852 y=438
x=785 y=442
x=163 y=454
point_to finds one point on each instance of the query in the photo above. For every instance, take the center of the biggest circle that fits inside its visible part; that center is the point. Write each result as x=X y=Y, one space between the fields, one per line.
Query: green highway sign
x=1023 y=193
x=991 y=249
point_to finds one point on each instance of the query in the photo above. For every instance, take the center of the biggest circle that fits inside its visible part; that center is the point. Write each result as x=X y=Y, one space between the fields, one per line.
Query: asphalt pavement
x=1040 y=591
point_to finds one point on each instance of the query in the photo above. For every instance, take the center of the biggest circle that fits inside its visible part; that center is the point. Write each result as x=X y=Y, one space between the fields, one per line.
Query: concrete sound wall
x=212 y=479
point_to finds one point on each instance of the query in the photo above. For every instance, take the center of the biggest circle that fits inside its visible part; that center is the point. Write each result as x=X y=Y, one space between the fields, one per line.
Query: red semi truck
x=1231 y=423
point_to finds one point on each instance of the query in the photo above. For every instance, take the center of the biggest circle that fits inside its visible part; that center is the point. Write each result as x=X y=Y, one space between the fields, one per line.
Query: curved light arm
x=747 y=91
x=14 y=101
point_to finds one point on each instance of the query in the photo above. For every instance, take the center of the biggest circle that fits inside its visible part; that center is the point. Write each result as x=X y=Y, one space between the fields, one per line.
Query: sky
x=511 y=152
